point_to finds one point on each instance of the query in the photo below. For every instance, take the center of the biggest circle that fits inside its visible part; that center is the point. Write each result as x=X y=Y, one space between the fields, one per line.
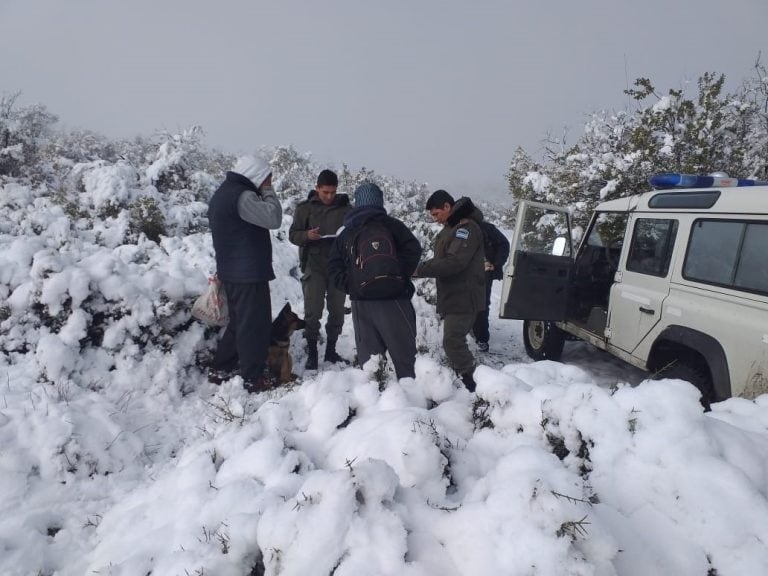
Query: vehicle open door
x=537 y=276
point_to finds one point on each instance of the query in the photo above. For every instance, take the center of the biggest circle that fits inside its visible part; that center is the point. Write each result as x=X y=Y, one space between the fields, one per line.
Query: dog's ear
x=286 y=308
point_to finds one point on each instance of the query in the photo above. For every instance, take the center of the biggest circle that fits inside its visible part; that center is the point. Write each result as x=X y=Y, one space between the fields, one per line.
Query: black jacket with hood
x=407 y=245
x=496 y=248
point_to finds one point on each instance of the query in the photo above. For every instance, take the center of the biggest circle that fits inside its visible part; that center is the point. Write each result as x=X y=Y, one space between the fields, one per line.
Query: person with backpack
x=241 y=213
x=458 y=266
x=372 y=260
x=496 y=247
x=315 y=222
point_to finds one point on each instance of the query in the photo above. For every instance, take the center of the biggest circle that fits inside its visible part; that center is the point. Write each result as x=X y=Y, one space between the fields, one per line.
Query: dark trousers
x=480 y=328
x=455 y=330
x=383 y=326
x=246 y=339
x=319 y=291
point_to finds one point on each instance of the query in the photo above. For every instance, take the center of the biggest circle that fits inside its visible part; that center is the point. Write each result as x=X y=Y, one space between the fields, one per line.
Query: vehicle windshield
x=608 y=230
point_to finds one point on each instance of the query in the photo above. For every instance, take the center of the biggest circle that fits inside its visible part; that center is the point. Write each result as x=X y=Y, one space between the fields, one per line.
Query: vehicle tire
x=690 y=371
x=543 y=340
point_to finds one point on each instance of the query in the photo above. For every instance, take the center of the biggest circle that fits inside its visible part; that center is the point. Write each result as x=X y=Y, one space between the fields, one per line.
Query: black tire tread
x=552 y=347
x=688 y=370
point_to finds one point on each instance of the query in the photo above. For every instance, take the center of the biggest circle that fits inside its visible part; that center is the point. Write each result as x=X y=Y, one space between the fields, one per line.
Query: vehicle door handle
x=647 y=310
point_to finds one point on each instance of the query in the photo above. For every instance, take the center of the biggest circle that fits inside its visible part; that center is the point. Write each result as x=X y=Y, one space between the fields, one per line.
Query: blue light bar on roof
x=673 y=180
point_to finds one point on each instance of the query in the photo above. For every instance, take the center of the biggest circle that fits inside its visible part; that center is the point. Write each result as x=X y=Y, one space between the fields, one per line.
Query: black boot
x=311 y=355
x=219 y=376
x=330 y=353
x=469 y=381
x=257 y=385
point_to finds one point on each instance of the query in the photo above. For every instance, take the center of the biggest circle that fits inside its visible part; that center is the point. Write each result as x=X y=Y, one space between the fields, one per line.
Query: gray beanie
x=368 y=194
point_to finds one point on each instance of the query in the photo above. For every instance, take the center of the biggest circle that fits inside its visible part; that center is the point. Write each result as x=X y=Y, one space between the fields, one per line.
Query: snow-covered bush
x=617 y=152
x=119 y=457
x=23 y=130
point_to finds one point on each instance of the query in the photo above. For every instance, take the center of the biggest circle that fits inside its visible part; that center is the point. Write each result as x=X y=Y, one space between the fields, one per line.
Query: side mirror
x=558 y=247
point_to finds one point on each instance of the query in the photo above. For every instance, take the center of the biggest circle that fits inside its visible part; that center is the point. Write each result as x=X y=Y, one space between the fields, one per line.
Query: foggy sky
x=435 y=91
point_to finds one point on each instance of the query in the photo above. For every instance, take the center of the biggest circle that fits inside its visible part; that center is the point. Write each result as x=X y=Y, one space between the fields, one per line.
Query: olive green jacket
x=312 y=213
x=459 y=262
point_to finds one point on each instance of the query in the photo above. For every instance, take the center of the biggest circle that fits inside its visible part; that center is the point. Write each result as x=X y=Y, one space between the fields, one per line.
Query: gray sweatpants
x=386 y=326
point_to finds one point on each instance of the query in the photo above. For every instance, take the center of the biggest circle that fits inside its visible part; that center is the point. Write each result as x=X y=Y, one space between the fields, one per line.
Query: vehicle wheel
x=690 y=371
x=543 y=340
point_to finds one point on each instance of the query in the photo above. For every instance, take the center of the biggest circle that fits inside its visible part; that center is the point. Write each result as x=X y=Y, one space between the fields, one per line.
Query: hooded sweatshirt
x=407 y=245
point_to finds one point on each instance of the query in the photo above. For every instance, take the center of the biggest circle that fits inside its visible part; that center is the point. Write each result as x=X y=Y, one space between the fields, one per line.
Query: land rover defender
x=673 y=281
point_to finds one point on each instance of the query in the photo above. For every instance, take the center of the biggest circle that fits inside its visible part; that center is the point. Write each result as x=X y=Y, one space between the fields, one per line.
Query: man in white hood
x=241 y=213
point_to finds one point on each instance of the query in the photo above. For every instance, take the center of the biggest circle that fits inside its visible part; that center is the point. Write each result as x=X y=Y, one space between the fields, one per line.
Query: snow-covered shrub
x=23 y=133
x=677 y=131
x=109 y=187
x=119 y=457
x=147 y=218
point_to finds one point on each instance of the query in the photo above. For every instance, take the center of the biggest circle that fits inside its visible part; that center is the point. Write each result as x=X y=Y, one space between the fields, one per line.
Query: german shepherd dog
x=279 y=359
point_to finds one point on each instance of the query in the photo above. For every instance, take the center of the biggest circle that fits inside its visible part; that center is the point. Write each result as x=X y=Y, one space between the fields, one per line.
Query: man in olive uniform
x=458 y=266
x=315 y=223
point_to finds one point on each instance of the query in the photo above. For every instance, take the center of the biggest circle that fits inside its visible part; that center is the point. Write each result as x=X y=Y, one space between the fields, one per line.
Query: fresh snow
x=117 y=457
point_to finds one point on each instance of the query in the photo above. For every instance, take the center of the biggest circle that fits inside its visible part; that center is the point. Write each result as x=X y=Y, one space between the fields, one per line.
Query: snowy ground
x=121 y=459
x=550 y=469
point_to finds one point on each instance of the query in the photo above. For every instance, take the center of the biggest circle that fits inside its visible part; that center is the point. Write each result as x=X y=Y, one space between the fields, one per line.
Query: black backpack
x=376 y=271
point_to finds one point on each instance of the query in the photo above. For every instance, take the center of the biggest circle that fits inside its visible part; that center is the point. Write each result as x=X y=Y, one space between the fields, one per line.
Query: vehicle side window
x=651 y=249
x=541 y=228
x=752 y=271
x=728 y=253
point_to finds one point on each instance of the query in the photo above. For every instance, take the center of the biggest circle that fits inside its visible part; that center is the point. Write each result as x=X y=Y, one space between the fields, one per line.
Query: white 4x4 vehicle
x=673 y=281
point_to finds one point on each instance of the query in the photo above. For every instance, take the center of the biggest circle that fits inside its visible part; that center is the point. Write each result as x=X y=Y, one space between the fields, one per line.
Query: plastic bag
x=211 y=306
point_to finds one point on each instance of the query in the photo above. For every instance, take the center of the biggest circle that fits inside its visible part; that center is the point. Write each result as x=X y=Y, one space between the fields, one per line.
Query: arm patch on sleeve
x=462 y=233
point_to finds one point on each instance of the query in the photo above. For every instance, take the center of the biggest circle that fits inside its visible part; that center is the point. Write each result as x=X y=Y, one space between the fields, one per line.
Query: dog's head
x=286 y=323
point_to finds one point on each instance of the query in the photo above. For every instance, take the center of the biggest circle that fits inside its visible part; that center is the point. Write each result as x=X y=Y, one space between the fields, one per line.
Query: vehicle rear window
x=728 y=253
x=684 y=199
x=651 y=249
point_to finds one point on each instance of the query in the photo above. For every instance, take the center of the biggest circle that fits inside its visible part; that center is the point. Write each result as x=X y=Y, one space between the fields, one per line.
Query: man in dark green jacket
x=459 y=268
x=314 y=227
